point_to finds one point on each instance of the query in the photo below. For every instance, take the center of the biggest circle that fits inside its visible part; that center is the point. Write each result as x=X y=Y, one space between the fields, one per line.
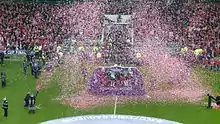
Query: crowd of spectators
x=194 y=25
x=123 y=7
x=26 y=24
x=203 y=28
x=198 y=27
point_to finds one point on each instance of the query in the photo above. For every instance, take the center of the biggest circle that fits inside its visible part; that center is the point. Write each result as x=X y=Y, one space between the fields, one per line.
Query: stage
x=116 y=80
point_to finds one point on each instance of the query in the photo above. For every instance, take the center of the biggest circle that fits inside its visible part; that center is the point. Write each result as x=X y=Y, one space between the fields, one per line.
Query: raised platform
x=110 y=119
x=120 y=81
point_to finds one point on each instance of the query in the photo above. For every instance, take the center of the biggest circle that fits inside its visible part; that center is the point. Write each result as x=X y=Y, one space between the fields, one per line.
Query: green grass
x=210 y=79
x=18 y=86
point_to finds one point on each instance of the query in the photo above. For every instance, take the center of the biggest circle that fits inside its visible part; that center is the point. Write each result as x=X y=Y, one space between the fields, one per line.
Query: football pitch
x=18 y=86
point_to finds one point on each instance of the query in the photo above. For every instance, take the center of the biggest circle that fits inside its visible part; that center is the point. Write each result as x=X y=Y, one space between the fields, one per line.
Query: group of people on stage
x=111 y=78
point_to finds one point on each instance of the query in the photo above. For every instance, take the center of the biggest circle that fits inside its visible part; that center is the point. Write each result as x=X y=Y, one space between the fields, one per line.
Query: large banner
x=109 y=119
x=126 y=81
x=18 y=52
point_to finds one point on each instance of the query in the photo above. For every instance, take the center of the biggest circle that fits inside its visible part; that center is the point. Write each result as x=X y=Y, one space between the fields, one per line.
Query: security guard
x=58 y=49
x=98 y=55
x=95 y=49
x=110 y=44
x=43 y=58
x=5 y=107
x=28 y=56
x=40 y=50
x=31 y=67
x=3 y=79
x=2 y=55
x=25 y=67
x=60 y=55
x=36 y=69
x=31 y=55
x=36 y=51
x=138 y=55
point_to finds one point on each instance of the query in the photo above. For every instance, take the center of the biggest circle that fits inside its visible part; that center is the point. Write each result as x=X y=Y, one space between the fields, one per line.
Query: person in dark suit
x=35 y=69
x=3 y=79
x=32 y=102
x=216 y=100
x=26 y=99
x=25 y=68
x=2 y=55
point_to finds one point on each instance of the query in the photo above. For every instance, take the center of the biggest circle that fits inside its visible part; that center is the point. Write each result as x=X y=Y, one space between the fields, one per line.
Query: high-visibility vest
x=138 y=55
x=60 y=54
x=40 y=47
x=98 y=55
x=36 y=49
x=5 y=104
x=198 y=51
x=58 y=48
x=184 y=50
x=81 y=48
x=109 y=45
x=95 y=49
x=43 y=57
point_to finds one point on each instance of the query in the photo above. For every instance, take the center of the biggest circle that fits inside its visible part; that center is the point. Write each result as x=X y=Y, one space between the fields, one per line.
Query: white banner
x=19 y=52
x=110 y=119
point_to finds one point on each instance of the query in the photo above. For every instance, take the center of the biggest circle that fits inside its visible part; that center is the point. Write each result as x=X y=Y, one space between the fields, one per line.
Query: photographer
x=216 y=104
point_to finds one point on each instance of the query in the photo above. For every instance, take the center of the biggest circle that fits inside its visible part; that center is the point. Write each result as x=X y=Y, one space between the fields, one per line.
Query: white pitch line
x=115 y=108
